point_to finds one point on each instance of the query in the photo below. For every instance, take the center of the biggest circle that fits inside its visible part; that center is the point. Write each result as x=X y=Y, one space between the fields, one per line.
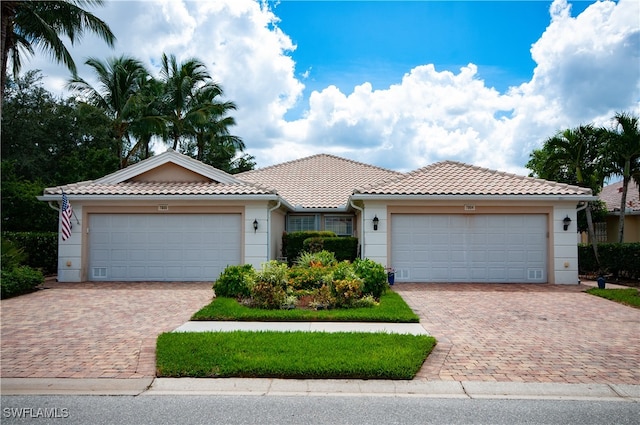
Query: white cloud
x=586 y=69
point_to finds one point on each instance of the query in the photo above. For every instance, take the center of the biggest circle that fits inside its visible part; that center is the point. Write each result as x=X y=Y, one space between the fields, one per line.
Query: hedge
x=292 y=243
x=617 y=259
x=40 y=247
x=18 y=281
x=344 y=248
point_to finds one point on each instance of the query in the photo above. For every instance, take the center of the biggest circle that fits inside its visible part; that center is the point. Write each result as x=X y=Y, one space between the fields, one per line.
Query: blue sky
x=400 y=85
x=347 y=42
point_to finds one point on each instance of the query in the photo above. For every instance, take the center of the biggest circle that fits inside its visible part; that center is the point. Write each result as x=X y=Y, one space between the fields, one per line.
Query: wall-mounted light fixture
x=376 y=221
x=566 y=222
x=255 y=225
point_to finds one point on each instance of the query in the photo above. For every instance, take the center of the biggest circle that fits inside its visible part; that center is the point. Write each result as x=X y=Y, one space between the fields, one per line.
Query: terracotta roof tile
x=318 y=181
x=456 y=178
x=158 y=188
x=612 y=195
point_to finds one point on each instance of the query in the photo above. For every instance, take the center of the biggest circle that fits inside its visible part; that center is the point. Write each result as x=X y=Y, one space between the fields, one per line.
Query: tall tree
x=27 y=25
x=573 y=156
x=185 y=104
x=118 y=93
x=623 y=155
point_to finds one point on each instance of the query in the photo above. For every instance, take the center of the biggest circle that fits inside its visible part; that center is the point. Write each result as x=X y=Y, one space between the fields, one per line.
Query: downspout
x=53 y=205
x=580 y=208
x=269 y=228
x=361 y=227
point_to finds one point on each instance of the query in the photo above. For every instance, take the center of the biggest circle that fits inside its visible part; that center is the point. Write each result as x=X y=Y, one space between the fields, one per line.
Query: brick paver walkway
x=526 y=333
x=93 y=330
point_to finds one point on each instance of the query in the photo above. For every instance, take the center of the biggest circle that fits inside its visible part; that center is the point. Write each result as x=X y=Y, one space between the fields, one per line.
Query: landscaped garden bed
x=316 y=288
x=390 y=308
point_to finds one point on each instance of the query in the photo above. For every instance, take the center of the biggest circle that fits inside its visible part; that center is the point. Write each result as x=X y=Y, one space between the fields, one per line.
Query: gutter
x=269 y=197
x=364 y=197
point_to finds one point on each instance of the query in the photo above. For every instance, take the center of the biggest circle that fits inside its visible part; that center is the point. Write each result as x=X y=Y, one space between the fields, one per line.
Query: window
x=299 y=223
x=340 y=225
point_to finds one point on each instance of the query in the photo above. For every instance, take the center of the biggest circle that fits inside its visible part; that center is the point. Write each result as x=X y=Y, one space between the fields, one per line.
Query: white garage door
x=160 y=247
x=469 y=248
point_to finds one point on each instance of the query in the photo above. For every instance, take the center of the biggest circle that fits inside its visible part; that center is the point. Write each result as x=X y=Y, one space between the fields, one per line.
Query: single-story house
x=173 y=218
x=611 y=195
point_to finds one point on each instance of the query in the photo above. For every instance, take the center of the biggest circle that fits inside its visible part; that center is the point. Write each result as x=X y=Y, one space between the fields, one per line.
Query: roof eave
x=229 y=197
x=405 y=197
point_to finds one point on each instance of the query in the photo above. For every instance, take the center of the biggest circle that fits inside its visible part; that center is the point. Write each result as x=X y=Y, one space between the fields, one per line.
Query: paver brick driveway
x=485 y=332
x=93 y=330
x=526 y=333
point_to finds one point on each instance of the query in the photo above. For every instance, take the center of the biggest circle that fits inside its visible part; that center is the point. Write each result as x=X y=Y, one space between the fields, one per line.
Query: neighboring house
x=611 y=195
x=171 y=217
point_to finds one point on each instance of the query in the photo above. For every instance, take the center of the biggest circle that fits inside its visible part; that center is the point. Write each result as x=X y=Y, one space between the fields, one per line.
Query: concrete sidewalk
x=317 y=387
x=225 y=326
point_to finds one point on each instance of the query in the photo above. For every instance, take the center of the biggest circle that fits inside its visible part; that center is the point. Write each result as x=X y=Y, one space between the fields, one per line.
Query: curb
x=149 y=386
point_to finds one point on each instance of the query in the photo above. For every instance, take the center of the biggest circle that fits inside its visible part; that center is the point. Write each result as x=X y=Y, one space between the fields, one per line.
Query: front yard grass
x=309 y=355
x=628 y=296
x=392 y=308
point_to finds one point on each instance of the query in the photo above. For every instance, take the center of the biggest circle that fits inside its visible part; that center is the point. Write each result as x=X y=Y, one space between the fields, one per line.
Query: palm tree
x=150 y=121
x=188 y=91
x=42 y=24
x=623 y=151
x=574 y=154
x=118 y=94
x=211 y=130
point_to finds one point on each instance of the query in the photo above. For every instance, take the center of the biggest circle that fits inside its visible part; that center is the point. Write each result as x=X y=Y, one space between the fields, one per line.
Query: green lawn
x=628 y=296
x=292 y=355
x=392 y=308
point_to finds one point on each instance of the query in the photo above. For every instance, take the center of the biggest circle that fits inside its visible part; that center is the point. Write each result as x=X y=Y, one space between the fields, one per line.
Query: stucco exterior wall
x=70 y=264
x=564 y=255
x=631 y=227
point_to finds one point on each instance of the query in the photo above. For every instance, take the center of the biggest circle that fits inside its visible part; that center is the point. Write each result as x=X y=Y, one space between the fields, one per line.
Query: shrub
x=344 y=248
x=235 y=281
x=301 y=278
x=41 y=249
x=619 y=259
x=12 y=255
x=267 y=295
x=19 y=280
x=347 y=291
x=374 y=276
x=323 y=298
x=315 y=259
x=292 y=243
x=274 y=273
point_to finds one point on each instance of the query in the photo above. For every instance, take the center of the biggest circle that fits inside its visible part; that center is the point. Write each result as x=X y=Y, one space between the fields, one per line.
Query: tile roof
x=456 y=178
x=318 y=181
x=158 y=188
x=612 y=195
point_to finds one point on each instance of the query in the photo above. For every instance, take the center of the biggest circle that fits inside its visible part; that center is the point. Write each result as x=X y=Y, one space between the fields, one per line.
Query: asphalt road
x=158 y=410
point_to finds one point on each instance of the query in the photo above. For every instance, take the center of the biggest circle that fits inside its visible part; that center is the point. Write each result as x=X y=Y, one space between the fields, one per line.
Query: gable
x=190 y=167
x=170 y=172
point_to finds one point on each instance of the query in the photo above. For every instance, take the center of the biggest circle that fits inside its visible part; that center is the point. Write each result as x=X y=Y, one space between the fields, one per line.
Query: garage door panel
x=162 y=246
x=469 y=248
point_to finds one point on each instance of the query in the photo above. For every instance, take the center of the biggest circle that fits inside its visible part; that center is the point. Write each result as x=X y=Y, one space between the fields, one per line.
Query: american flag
x=65 y=218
